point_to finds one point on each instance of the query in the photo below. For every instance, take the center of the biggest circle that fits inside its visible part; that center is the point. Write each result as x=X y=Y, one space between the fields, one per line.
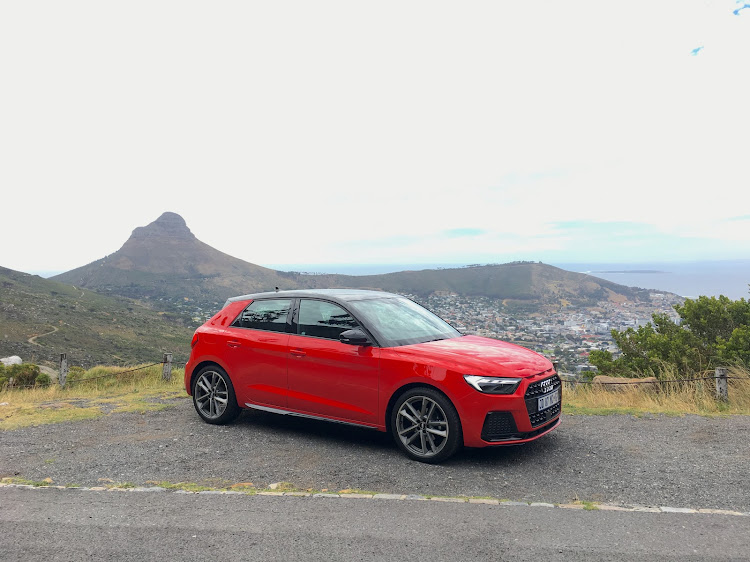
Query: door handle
x=233 y=343
x=297 y=352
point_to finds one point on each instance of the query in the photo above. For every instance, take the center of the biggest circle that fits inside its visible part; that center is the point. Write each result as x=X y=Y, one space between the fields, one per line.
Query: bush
x=24 y=376
x=711 y=332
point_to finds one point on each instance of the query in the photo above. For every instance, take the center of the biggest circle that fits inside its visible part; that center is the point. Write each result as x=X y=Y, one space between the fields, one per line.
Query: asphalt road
x=687 y=462
x=51 y=524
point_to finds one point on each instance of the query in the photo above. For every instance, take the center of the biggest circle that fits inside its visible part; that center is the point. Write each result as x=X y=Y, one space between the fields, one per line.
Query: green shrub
x=24 y=374
x=711 y=332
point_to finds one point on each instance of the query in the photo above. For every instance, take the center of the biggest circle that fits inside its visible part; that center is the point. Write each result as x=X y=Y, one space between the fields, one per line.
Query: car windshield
x=398 y=321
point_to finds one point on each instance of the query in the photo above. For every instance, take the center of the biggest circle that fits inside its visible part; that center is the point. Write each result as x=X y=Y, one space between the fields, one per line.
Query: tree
x=737 y=348
x=712 y=331
x=604 y=362
x=711 y=318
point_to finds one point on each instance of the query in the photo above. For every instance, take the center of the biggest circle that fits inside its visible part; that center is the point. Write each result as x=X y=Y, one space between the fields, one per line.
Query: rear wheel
x=213 y=396
x=426 y=425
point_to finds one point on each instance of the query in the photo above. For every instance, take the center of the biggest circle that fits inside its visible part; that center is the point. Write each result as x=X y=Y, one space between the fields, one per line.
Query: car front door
x=326 y=377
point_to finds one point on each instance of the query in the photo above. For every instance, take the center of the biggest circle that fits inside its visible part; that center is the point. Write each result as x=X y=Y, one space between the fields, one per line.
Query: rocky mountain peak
x=167 y=226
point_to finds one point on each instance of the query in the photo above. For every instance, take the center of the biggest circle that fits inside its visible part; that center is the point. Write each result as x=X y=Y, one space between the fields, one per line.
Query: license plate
x=548 y=400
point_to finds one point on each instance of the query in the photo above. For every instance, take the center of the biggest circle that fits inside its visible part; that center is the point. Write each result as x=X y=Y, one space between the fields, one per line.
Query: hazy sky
x=379 y=132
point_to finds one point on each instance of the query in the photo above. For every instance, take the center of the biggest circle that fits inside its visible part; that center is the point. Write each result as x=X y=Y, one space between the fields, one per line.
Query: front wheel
x=213 y=396
x=426 y=425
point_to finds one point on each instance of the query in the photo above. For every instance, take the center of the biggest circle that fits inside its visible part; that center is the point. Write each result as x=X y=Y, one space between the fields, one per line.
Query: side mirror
x=354 y=337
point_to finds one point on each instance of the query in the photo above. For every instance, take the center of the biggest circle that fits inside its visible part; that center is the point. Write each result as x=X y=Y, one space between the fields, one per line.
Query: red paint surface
x=329 y=379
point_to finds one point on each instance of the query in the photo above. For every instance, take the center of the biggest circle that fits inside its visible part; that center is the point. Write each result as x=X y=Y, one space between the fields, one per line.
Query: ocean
x=688 y=279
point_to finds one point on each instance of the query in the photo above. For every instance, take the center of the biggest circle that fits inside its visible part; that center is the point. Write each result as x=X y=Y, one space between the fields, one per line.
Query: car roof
x=336 y=295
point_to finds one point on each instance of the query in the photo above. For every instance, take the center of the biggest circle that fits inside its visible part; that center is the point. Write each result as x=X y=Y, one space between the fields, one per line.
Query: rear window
x=270 y=315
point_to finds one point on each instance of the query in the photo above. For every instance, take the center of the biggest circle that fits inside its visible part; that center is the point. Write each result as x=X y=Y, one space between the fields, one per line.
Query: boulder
x=12 y=360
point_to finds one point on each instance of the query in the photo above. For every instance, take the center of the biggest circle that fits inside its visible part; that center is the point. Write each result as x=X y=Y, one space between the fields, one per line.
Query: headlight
x=490 y=385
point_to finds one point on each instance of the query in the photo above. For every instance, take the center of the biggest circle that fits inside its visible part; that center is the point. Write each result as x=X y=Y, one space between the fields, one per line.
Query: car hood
x=474 y=355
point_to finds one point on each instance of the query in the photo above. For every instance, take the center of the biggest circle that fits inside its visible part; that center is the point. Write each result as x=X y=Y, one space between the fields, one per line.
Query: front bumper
x=491 y=420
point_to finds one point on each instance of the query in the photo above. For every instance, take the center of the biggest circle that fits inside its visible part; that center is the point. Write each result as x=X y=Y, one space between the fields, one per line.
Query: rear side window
x=270 y=315
x=322 y=319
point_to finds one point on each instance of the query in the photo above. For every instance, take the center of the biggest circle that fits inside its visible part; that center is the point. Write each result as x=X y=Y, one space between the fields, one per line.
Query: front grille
x=541 y=417
x=536 y=389
x=499 y=426
x=532 y=395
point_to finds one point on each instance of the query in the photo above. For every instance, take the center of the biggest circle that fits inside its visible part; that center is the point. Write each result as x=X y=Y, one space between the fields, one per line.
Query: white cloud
x=278 y=130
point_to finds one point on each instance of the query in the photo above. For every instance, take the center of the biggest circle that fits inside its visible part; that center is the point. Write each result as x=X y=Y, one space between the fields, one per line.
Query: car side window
x=323 y=319
x=270 y=315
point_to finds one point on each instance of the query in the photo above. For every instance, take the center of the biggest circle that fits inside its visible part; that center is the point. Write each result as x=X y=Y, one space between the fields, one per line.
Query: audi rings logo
x=546 y=385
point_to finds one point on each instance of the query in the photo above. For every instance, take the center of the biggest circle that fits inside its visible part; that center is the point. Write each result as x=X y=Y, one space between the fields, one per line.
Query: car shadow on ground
x=348 y=439
x=318 y=430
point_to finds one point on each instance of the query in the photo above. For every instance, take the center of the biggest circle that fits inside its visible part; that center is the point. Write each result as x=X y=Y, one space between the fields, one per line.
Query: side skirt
x=309 y=416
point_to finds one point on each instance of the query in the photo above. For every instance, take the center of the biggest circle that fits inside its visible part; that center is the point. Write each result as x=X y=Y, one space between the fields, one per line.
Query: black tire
x=213 y=396
x=425 y=425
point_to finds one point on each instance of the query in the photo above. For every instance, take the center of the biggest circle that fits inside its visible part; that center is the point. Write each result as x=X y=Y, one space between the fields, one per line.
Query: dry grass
x=109 y=390
x=697 y=397
x=102 y=390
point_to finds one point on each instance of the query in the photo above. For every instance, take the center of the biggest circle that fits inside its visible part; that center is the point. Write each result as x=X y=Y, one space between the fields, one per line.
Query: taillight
x=195 y=340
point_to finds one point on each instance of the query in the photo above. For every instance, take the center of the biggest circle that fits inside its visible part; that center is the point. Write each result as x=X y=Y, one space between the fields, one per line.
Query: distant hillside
x=525 y=282
x=166 y=264
x=91 y=328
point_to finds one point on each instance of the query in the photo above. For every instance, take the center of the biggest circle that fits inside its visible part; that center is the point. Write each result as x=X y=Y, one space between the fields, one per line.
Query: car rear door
x=257 y=352
x=326 y=377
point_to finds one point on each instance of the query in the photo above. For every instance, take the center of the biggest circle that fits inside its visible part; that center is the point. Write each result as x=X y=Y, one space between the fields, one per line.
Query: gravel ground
x=654 y=460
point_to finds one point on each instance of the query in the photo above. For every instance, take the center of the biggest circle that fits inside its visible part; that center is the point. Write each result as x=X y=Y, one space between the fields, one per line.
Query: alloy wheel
x=422 y=426
x=211 y=395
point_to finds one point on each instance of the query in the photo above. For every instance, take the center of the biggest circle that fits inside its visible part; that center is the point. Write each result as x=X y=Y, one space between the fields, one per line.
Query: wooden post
x=556 y=365
x=722 y=389
x=63 y=370
x=166 y=369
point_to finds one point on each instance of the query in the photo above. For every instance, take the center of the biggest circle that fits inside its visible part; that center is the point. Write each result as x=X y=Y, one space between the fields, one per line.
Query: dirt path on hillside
x=32 y=339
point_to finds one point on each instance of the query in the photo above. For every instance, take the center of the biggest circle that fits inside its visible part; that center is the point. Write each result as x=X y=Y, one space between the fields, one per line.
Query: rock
x=51 y=373
x=12 y=360
x=169 y=226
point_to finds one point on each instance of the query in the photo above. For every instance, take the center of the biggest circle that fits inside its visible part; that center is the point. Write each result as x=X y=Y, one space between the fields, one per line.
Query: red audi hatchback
x=370 y=359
